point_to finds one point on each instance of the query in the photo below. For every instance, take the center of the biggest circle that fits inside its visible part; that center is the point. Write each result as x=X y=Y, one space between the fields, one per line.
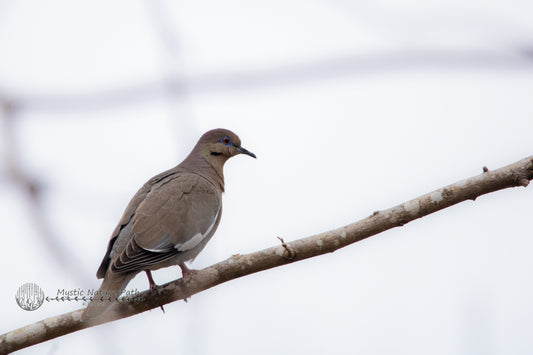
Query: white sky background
x=351 y=107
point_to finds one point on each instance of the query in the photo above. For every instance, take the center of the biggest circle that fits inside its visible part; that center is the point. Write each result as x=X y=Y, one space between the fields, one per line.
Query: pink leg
x=185 y=271
x=153 y=285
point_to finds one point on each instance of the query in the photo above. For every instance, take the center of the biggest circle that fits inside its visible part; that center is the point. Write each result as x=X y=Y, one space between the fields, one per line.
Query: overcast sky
x=350 y=106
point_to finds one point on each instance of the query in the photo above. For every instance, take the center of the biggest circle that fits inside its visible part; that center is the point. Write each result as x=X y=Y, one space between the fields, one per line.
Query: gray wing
x=123 y=228
x=175 y=217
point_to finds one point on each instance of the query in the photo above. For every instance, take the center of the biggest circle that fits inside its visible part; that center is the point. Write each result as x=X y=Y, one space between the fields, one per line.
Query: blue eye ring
x=226 y=140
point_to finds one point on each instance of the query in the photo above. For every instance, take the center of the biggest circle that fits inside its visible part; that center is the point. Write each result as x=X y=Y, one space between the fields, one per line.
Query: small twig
x=291 y=253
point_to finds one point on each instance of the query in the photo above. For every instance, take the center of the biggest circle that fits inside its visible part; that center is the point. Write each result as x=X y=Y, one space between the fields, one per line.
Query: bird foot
x=186 y=273
x=153 y=285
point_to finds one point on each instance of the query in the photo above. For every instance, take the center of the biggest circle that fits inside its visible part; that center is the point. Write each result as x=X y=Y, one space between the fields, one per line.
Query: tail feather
x=109 y=291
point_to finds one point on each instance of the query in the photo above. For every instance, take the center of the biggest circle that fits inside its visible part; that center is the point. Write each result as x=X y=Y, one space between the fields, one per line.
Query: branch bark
x=517 y=174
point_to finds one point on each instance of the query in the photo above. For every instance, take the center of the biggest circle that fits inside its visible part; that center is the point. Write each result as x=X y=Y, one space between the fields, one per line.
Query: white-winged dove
x=170 y=219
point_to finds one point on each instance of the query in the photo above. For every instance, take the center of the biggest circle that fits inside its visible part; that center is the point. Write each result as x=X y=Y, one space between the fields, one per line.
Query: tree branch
x=517 y=174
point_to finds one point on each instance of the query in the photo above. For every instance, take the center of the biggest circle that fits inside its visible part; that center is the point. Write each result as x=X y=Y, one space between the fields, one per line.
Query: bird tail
x=106 y=295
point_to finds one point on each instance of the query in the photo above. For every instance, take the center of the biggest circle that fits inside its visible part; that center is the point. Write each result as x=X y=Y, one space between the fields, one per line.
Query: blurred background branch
x=32 y=189
x=175 y=85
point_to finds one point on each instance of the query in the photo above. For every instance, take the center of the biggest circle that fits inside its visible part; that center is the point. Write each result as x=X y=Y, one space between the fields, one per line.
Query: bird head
x=218 y=145
x=213 y=149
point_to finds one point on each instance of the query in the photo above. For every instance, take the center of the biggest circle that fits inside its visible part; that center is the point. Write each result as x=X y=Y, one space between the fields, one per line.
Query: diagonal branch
x=517 y=174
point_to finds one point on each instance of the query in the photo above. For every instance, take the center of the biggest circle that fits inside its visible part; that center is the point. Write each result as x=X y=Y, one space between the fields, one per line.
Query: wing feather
x=173 y=218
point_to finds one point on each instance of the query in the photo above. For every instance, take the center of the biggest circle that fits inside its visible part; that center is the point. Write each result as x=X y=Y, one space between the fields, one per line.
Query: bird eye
x=226 y=140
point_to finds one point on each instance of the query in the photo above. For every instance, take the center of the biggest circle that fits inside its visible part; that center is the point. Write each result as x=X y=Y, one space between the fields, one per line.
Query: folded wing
x=175 y=217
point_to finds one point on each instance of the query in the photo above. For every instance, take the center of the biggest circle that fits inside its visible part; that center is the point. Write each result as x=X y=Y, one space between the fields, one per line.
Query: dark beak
x=247 y=152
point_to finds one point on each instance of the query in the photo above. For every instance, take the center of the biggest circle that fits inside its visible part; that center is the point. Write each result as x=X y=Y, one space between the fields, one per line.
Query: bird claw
x=186 y=273
x=153 y=285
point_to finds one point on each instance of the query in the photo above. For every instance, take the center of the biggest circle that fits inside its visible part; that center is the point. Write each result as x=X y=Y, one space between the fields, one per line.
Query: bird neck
x=211 y=169
x=215 y=174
